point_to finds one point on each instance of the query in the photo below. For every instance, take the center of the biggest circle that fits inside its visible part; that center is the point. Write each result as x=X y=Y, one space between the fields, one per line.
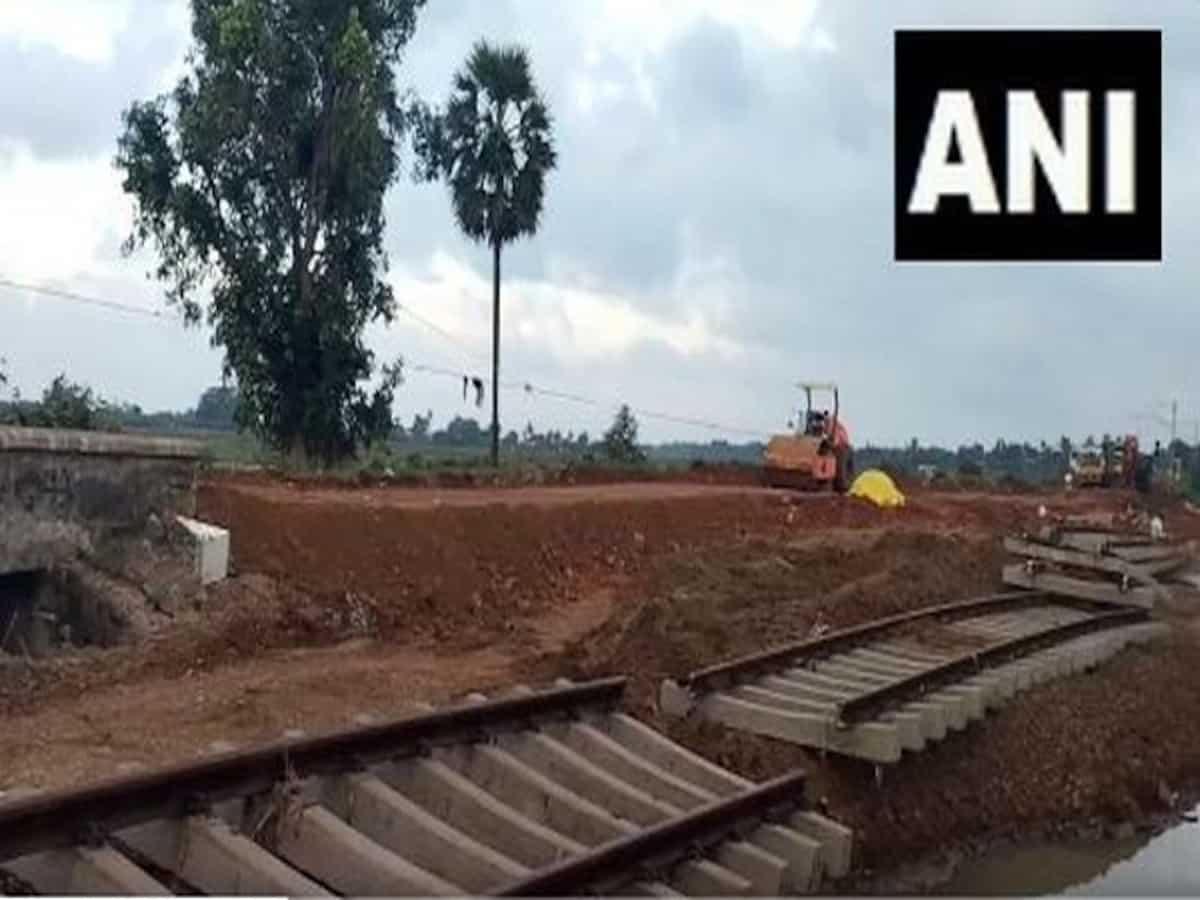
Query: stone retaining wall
x=63 y=492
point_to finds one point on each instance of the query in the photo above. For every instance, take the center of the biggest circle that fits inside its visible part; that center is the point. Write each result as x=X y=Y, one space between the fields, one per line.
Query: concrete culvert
x=22 y=629
x=43 y=611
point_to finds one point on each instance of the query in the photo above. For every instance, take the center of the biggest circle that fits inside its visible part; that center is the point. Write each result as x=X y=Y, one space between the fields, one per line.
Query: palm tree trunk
x=495 y=354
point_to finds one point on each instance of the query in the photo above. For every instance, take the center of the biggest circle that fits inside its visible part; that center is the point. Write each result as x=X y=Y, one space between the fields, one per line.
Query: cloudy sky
x=719 y=227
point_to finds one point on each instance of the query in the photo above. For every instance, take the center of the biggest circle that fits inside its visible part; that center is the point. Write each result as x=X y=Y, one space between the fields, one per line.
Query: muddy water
x=1165 y=865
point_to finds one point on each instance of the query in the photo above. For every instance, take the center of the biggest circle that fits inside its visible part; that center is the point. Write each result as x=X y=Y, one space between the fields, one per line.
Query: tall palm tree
x=494 y=146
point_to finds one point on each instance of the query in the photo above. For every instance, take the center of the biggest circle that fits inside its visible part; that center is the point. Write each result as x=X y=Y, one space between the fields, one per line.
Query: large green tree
x=261 y=177
x=66 y=404
x=217 y=407
x=493 y=144
x=621 y=439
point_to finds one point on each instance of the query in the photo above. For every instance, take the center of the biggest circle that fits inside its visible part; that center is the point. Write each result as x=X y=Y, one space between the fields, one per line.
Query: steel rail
x=1113 y=544
x=1143 y=553
x=74 y=816
x=661 y=844
x=1081 y=559
x=1076 y=524
x=868 y=704
x=754 y=665
x=1119 y=544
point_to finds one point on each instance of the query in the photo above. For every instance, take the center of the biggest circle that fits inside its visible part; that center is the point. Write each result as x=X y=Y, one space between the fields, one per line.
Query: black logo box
x=988 y=64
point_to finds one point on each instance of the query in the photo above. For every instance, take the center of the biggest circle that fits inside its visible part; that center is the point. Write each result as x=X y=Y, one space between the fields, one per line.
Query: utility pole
x=1174 y=417
x=496 y=354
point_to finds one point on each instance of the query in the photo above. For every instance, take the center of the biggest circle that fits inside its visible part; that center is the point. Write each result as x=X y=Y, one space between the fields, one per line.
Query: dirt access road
x=558 y=495
x=365 y=600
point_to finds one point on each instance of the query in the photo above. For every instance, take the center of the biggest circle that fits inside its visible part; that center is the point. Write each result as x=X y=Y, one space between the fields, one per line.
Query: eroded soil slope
x=465 y=566
x=367 y=600
x=1111 y=745
x=745 y=597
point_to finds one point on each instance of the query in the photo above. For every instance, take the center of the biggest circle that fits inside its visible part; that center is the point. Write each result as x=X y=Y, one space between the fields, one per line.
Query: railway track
x=902 y=683
x=1088 y=564
x=534 y=793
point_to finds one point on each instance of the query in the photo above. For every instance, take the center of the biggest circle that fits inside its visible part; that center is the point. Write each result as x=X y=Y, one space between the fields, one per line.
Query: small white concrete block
x=212 y=549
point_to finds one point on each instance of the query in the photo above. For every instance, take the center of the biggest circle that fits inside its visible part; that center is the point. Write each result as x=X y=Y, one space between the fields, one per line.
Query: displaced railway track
x=1094 y=565
x=901 y=683
x=534 y=793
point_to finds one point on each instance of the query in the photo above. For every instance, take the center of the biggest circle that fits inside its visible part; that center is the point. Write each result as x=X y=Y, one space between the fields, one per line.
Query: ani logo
x=1028 y=145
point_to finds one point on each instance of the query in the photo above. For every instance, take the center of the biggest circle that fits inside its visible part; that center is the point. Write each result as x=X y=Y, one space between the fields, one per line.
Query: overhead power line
x=527 y=387
x=471 y=352
x=432 y=370
x=530 y=388
x=83 y=298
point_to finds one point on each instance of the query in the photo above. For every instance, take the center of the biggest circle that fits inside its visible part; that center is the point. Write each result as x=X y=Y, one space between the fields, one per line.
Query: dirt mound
x=237 y=619
x=250 y=614
x=317 y=568
x=466 y=570
x=702 y=608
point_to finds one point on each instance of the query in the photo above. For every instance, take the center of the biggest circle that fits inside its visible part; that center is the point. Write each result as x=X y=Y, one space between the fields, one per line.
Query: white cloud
x=573 y=324
x=85 y=29
x=56 y=215
x=640 y=27
x=178 y=18
x=584 y=326
x=592 y=94
x=754 y=211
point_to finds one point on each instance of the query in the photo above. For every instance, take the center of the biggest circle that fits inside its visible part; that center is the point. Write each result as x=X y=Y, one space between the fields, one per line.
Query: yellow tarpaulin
x=877 y=487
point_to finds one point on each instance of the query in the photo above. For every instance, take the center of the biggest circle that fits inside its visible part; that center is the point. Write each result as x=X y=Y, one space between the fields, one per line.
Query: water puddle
x=1164 y=865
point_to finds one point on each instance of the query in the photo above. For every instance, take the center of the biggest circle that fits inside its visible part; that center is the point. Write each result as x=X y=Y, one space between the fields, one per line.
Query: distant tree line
x=63 y=404
x=619 y=444
x=67 y=404
x=1040 y=463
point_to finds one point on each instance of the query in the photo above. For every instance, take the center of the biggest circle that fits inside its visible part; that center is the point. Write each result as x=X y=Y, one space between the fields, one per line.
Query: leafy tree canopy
x=261 y=176
x=66 y=404
x=493 y=145
x=621 y=439
x=217 y=407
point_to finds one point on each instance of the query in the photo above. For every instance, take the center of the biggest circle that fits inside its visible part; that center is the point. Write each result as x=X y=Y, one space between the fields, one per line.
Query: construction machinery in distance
x=1114 y=463
x=818 y=454
x=1087 y=467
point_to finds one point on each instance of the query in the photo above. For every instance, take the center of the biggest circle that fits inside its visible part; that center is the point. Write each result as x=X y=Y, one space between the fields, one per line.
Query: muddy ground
x=367 y=600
